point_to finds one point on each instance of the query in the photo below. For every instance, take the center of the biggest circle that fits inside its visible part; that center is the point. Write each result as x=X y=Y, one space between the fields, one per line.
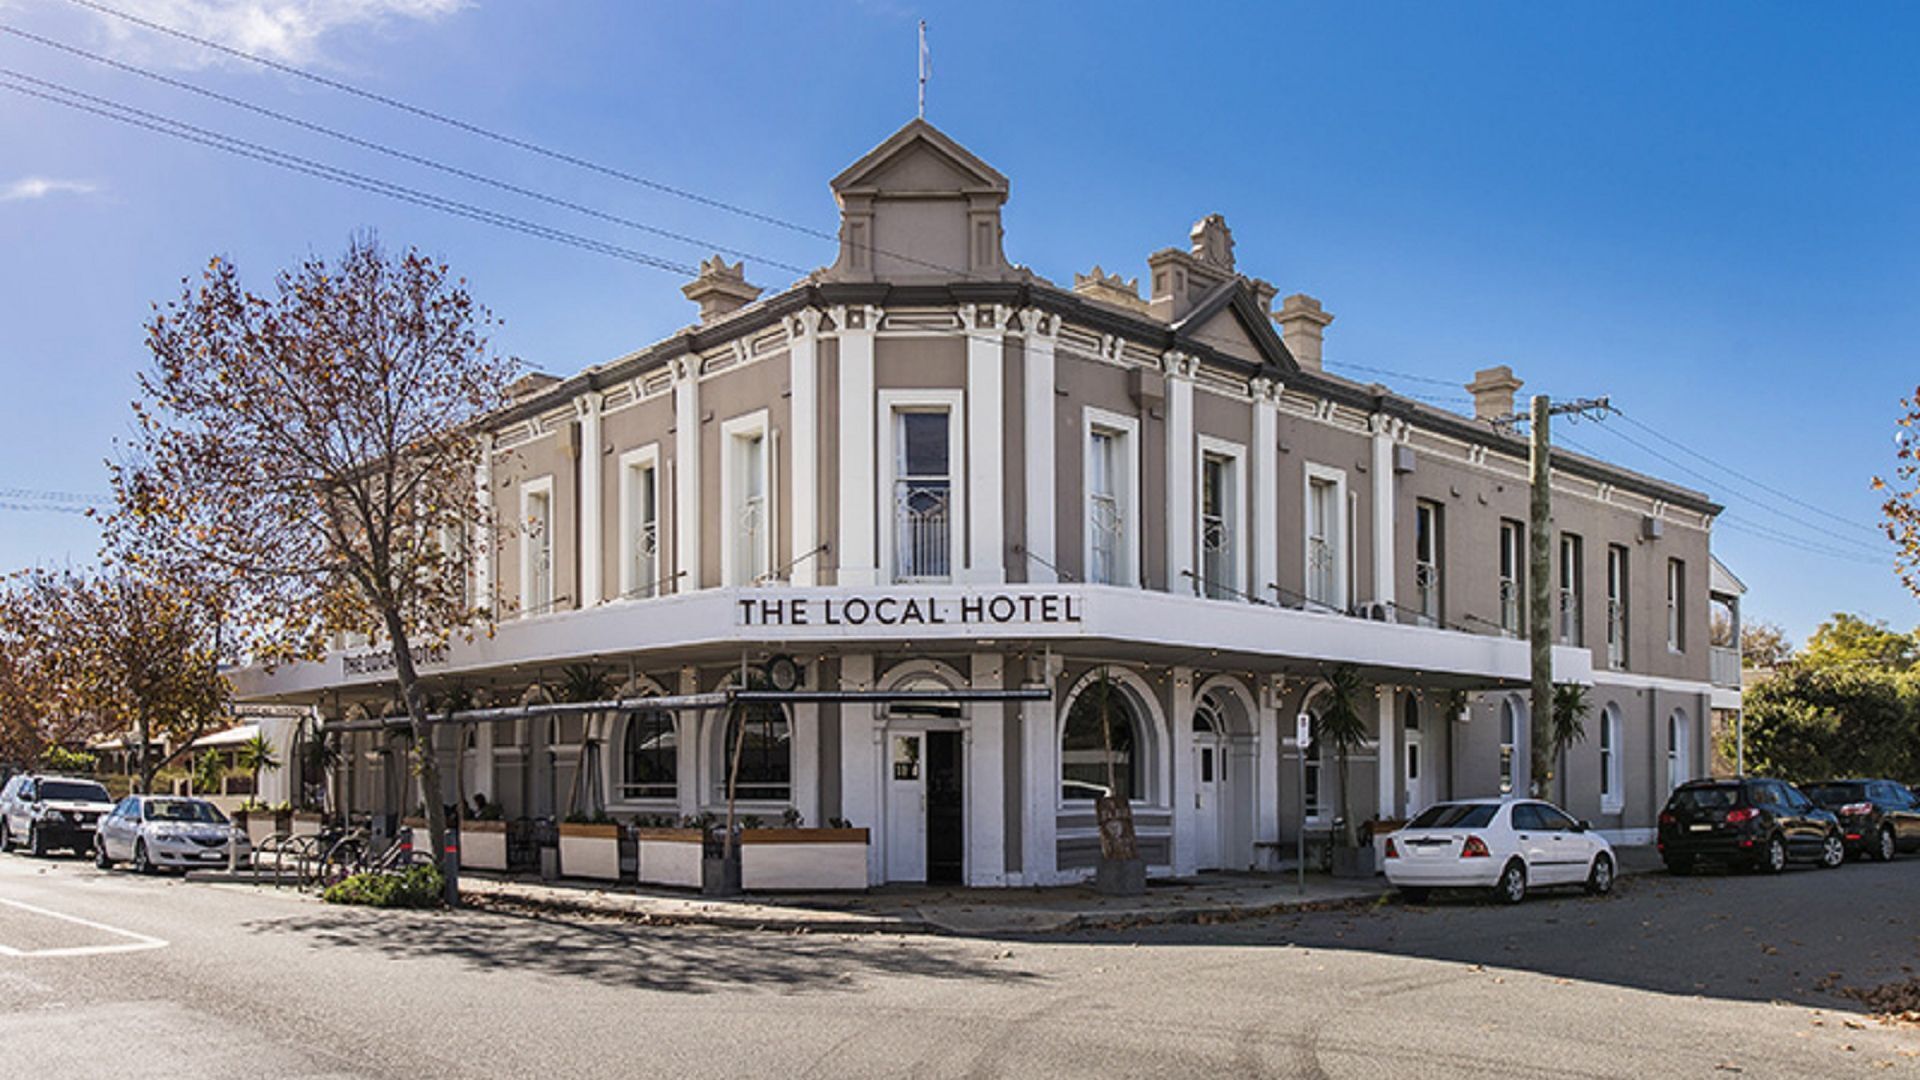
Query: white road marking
x=138 y=942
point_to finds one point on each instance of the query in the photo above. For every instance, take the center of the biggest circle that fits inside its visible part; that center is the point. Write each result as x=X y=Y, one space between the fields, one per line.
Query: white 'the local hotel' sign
x=967 y=609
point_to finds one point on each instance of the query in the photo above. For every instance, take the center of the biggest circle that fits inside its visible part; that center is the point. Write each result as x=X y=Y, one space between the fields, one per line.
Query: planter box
x=590 y=851
x=306 y=824
x=805 y=859
x=671 y=857
x=483 y=845
x=264 y=825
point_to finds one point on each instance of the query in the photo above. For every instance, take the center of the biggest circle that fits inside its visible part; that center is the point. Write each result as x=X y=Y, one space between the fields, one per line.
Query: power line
x=55 y=496
x=1409 y=376
x=1743 y=526
x=127 y=114
x=394 y=152
x=51 y=508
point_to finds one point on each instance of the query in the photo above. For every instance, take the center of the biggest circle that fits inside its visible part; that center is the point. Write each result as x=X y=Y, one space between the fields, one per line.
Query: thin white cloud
x=290 y=31
x=39 y=187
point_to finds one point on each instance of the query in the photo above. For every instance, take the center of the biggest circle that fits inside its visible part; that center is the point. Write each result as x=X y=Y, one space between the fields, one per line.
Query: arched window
x=1310 y=791
x=650 y=756
x=1509 y=743
x=1085 y=751
x=1410 y=712
x=1208 y=719
x=1612 y=794
x=1677 y=749
x=766 y=759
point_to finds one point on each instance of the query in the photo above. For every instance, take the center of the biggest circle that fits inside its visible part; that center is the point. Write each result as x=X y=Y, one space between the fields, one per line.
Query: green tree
x=1847 y=641
x=208 y=770
x=1811 y=723
x=1567 y=725
x=256 y=756
x=1342 y=726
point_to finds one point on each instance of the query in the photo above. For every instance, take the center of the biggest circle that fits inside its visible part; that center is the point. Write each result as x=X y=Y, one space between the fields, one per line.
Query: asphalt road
x=114 y=975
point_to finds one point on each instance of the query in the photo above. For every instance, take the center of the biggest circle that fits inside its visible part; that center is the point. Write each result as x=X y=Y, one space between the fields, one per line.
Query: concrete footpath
x=1206 y=898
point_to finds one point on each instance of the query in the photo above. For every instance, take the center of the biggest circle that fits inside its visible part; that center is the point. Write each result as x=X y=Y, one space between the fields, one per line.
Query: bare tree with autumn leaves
x=314 y=450
x=1901 y=510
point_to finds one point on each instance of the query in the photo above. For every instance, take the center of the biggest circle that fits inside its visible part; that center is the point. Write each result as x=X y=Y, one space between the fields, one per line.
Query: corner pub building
x=924 y=467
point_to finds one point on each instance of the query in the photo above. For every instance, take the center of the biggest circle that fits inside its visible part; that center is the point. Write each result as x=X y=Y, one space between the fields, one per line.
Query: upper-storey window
x=536 y=548
x=640 y=523
x=1676 y=605
x=1220 y=523
x=747 y=525
x=1572 y=590
x=1616 y=606
x=1112 y=496
x=1326 y=538
x=1426 y=562
x=924 y=526
x=1513 y=562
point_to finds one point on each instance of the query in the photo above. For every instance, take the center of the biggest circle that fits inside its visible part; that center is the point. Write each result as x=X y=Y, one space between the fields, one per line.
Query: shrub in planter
x=418 y=887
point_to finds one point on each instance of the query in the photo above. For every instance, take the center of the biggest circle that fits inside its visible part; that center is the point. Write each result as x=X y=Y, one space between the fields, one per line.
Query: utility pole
x=1540 y=581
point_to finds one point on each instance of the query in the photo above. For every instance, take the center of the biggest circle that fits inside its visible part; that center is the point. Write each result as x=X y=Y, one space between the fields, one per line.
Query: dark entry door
x=946 y=816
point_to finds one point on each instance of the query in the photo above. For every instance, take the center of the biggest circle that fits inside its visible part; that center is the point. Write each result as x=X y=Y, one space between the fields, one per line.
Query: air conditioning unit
x=1375 y=611
x=1651 y=527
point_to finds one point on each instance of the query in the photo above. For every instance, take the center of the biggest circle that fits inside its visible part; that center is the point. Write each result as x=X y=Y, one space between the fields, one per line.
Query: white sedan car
x=1506 y=846
x=153 y=832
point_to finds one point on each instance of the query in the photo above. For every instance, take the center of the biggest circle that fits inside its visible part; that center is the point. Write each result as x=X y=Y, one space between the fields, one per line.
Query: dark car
x=46 y=812
x=1750 y=822
x=1877 y=817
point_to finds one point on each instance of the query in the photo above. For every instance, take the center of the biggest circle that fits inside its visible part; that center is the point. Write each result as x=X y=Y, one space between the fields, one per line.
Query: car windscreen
x=1836 y=794
x=73 y=790
x=1706 y=798
x=196 y=812
x=1454 y=816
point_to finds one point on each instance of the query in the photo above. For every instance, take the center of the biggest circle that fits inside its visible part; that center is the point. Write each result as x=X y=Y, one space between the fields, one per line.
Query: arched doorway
x=1415 y=765
x=925 y=787
x=1209 y=782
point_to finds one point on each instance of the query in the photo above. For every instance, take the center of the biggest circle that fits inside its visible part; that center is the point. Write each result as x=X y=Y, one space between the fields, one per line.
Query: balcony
x=1724 y=666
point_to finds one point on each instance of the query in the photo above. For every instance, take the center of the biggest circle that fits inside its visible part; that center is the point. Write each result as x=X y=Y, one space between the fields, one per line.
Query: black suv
x=1750 y=822
x=1877 y=817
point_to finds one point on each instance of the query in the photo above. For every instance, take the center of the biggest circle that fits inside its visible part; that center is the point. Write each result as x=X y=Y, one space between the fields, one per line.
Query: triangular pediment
x=920 y=159
x=1230 y=320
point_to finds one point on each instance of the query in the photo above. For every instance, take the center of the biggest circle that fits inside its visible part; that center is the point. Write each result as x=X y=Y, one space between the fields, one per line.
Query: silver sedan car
x=155 y=832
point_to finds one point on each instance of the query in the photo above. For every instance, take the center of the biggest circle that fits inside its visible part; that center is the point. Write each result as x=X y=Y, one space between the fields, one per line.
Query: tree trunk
x=733 y=772
x=416 y=700
x=142 y=730
x=1349 y=836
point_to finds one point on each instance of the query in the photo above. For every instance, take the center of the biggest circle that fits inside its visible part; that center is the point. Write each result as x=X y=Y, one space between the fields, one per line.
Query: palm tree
x=579 y=684
x=1342 y=726
x=1567 y=725
x=256 y=756
x=208 y=771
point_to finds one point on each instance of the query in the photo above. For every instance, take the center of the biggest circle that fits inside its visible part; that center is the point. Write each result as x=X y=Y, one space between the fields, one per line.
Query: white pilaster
x=688 y=724
x=1184 y=788
x=686 y=473
x=1040 y=766
x=1042 y=331
x=1266 y=788
x=1389 y=740
x=803 y=352
x=806 y=761
x=858 y=499
x=860 y=763
x=986 y=445
x=1181 y=572
x=986 y=827
x=1265 y=477
x=1383 y=516
x=488 y=511
x=590 y=541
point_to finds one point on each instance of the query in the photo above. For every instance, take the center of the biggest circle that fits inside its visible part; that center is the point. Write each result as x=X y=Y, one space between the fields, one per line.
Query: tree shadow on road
x=624 y=954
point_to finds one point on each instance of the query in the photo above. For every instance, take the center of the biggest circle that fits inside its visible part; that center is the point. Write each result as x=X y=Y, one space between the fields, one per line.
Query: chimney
x=1492 y=389
x=1302 y=324
x=720 y=289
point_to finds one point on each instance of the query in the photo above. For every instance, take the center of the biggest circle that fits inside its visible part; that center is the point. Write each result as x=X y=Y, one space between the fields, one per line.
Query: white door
x=907 y=807
x=1207 y=766
x=1416 y=771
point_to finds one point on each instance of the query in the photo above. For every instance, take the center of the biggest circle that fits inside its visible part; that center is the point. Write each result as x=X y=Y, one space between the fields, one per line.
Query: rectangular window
x=1426 y=562
x=1112 y=496
x=640 y=574
x=1220 y=525
x=1676 y=605
x=923 y=523
x=1513 y=561
x=747 y=529
x=1326 y=573
x=1572 y=596
x=536 y=513
x=1616 y=606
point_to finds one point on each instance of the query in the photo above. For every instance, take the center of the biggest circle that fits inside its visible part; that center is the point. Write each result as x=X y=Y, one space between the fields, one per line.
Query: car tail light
x=1857 y=809
x=1475 y=848
x=1667 y=818
x=1742 y=815
x=1392 y=852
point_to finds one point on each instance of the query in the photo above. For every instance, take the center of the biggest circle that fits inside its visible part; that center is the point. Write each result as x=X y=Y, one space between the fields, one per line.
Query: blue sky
x=1705 y=211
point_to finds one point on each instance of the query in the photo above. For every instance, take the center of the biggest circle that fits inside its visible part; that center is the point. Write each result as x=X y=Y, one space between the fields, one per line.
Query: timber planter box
x=803 y=859
x=264 y=825
x=307 y=823
x=671 y=857
x=590 y=851
x=483 y=845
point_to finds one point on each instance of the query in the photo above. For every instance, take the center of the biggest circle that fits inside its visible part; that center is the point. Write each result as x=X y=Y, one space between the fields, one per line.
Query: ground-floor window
x=1612 y=796
x=1099 y=758
x=766 y=757
x=1677 y=772
x=1509 y=744
x=650 y=757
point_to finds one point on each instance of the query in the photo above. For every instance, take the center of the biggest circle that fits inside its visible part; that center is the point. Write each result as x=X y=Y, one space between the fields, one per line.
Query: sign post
x=1302 y=731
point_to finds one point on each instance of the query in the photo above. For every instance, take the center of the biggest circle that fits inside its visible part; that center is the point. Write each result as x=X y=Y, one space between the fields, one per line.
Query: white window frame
x=734 y=435
x=953 y=403
x=1126 y=429
x=1432 y=594
x=1511 y=748
x=1679 y=738
x=1571 y=594
x=1676 y=606
x=1613 y=796
x=1619 y=633
x=1511 y=556
x=1337 y=519
x=643 y=460
x=540 y=487
x=1235 y=456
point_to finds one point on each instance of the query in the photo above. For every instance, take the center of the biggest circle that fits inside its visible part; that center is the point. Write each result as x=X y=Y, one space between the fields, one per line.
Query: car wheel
x=35 y=842
x=1512 y=887
x=1600 y=878
x=100 y=859
x=1774 y=858
x=6 y=838
x=1679 y=865
x=1888 y=848
x=1833 y=851
x=141 y=864
x=1414 y=894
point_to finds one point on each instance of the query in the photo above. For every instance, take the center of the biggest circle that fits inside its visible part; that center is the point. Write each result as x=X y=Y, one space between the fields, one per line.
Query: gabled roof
x=1235 y=300
x=918 y=136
